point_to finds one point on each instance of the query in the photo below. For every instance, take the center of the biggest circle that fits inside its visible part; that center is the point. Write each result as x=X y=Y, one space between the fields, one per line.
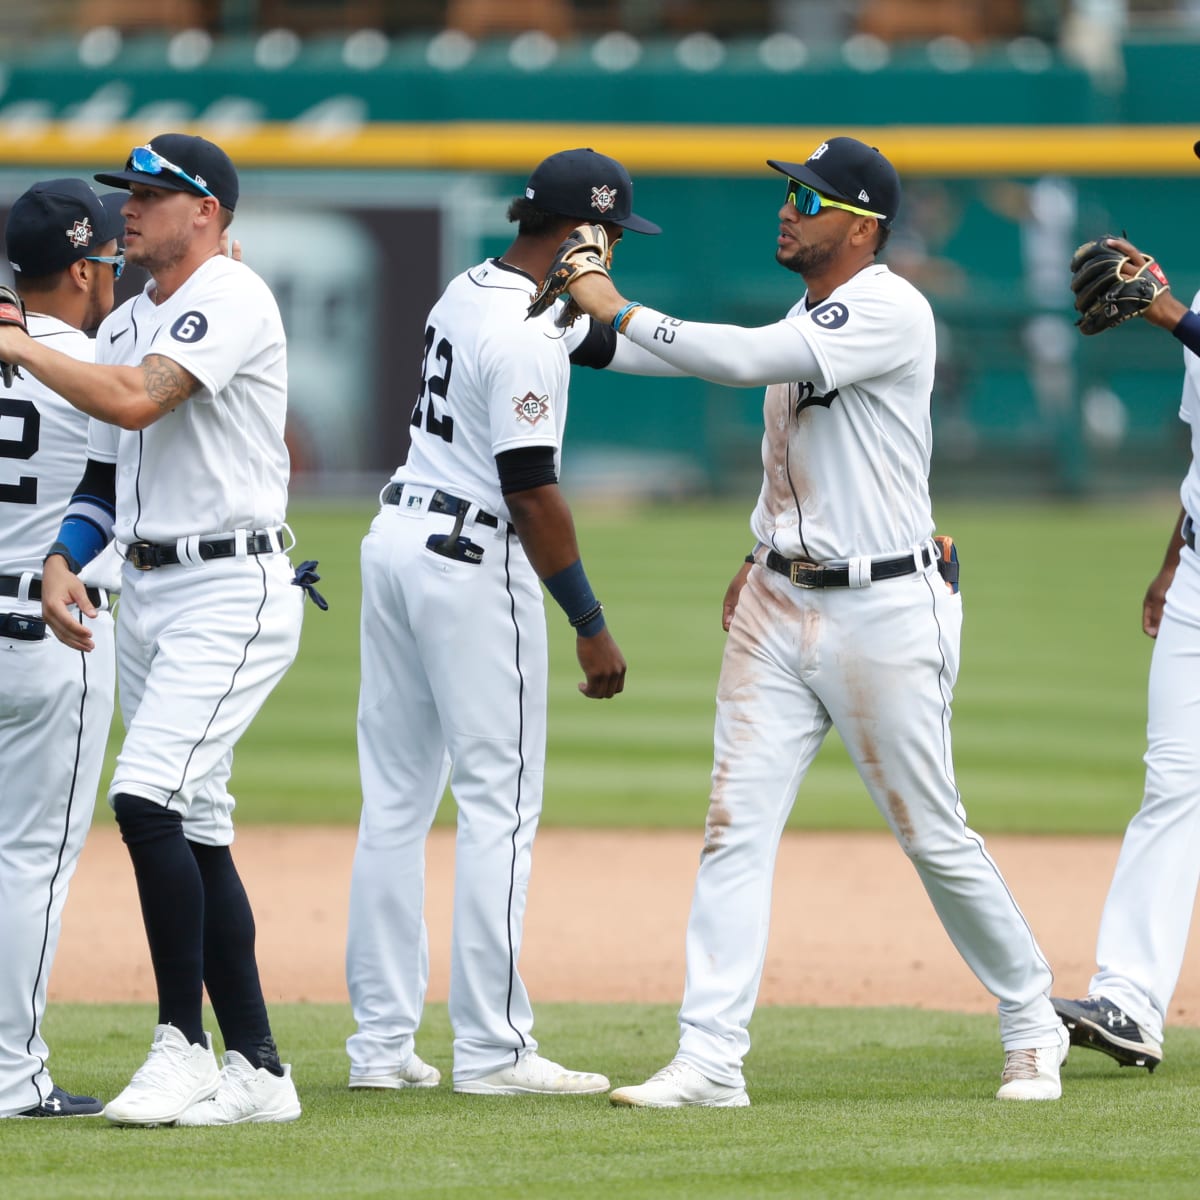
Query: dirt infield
x=851 y=924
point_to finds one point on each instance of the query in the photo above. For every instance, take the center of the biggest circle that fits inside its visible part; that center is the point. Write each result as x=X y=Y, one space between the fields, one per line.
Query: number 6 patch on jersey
x=191 y=327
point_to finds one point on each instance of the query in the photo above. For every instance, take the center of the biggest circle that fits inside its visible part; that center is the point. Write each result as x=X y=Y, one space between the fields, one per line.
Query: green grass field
x=1049 y=714
x=879 y=1103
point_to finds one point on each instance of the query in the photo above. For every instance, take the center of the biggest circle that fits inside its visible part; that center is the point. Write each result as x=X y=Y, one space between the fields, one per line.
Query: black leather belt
x=813 y=575
x=1189 y=533
x=442 y=502
x=145 y=556
x=21 y=628
x=10 y=585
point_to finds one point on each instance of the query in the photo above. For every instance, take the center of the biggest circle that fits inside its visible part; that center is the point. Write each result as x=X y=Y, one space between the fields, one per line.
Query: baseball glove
x=1110 y=286
x=12 y=312
x=583 y=251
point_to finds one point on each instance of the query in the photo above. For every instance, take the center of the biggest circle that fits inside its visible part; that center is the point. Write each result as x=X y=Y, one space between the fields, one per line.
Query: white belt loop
x=277 y=539
x=858 y=571
x=26 y=581
x=239 y=543
x=188 y=549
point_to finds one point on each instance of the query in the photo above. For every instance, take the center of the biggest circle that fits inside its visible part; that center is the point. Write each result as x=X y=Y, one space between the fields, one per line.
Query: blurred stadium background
x=379 y=142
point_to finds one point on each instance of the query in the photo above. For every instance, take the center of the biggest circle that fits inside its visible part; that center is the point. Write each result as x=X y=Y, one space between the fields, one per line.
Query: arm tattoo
x=167 y=383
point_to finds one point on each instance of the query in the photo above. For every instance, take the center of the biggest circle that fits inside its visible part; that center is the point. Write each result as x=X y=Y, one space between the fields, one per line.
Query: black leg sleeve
x=230 y=966
x=172 y=899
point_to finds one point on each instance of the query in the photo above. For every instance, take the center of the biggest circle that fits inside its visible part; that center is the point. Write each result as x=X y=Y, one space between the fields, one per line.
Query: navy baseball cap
x=588 y=186
x=180 y=162
x=846 y=169
x=55 y=223
x=113 y=202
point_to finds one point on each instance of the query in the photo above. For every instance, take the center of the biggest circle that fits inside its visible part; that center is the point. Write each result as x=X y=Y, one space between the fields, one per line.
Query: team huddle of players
x=149 y=460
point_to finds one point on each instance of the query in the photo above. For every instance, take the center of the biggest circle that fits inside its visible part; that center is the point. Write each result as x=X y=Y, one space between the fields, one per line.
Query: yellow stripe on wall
x=708 y=150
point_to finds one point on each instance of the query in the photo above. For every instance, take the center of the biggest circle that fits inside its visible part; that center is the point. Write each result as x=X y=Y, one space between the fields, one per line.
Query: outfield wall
x=367 y=186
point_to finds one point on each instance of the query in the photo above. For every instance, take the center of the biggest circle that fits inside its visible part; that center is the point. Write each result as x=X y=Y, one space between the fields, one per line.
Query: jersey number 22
x=435 y=385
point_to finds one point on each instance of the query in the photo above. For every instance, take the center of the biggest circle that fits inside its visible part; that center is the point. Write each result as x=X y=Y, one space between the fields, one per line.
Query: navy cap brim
x=112 y=203
x=166 y=182
x=638 y=224
x=805 y=174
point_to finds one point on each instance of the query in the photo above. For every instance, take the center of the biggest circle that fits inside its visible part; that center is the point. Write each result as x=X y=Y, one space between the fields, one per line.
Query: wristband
x=1188 y=331
x=621 y=319
x=79 y=541
x=574 y=595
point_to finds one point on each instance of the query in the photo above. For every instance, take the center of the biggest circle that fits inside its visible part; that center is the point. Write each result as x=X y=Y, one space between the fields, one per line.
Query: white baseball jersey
x=509 y=379
x=454 y=672
x=218 y=462
x=42 y=445
x=228 y=627
x=846 y=453
x=55 y=708
x=1189 y=411
x=1148 y=913
x=852 y=478
x=847 y=438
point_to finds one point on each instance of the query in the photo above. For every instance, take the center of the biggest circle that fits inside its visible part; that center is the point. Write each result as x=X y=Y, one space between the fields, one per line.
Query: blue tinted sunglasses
x=116 y=261
x=809 y=202
x=149 y=162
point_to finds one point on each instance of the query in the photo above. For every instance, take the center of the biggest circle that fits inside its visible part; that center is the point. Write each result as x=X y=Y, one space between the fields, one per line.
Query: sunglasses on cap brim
x=808 y=202
x=149 y=162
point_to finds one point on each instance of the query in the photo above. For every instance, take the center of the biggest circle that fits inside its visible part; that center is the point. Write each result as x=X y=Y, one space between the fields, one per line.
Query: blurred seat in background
x=140 y=16
x=971 y=20
x=307 y=17
x=482 y=18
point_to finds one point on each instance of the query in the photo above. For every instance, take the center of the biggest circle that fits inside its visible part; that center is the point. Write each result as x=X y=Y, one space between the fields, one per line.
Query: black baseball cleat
x=63 y=1104
x=1100 y=1024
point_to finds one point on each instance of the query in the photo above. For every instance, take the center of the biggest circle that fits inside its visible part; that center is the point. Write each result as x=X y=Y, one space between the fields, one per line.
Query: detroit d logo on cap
x=603 y=198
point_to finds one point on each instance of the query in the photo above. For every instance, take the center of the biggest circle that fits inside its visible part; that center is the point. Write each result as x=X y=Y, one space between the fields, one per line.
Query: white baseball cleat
x=415 y=1074
x=1032 y=1074
x=678 y=1085
x=175 y=1075
x=247 y=1095
x=533 y=1075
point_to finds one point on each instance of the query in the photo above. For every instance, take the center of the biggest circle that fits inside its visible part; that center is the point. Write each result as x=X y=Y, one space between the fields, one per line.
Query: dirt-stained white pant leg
x=1147 y=915
x=769 y=727
x=55 y=709
x=889 y=696
x=880 y=663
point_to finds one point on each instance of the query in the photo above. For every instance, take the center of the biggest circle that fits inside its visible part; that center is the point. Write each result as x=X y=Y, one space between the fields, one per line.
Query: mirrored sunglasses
x=149 y=162
x=808 y=202
x=116 y=261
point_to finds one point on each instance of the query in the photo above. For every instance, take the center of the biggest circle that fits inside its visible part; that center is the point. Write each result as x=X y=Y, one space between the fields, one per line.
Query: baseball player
x=1147 y=915
x=193 y=372
x=454 y=655
x=55 y=703
x=840 y=617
